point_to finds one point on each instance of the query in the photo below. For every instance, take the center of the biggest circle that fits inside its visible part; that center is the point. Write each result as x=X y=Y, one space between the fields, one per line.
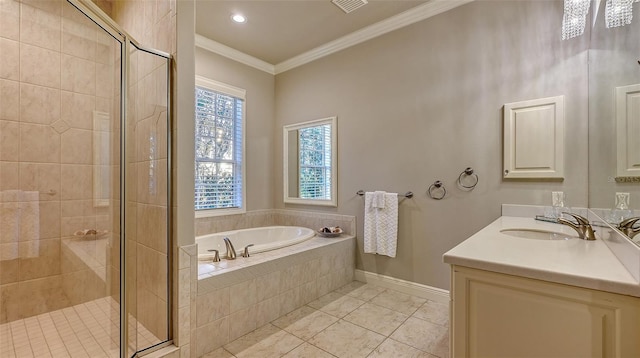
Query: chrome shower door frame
x=93 y=12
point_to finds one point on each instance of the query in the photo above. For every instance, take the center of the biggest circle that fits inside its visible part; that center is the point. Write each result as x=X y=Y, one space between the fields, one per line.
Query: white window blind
x=219 y=147
x=315 y=162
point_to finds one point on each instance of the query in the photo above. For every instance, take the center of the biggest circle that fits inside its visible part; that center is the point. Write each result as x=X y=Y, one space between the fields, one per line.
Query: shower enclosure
x=84 y=184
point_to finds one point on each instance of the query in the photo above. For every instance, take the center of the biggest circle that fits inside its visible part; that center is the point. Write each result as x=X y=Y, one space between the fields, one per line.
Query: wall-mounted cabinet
x=534 y=138
x=628 y=130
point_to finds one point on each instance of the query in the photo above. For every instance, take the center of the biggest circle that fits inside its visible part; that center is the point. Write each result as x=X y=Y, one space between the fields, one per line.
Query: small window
x=315 y=162
x=219 y=149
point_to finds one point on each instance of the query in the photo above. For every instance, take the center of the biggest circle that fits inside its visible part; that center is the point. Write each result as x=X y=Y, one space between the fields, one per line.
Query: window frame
x=239 y=93
x=325 y=167
x=333 y=121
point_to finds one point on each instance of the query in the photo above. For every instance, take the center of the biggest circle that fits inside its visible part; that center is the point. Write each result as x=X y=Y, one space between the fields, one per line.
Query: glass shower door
x=147 y=198
x=60 y=95
x=84 y=184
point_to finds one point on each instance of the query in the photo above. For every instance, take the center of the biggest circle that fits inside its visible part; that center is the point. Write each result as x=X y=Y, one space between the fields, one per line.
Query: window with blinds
x=315 y=162
x=219 y=165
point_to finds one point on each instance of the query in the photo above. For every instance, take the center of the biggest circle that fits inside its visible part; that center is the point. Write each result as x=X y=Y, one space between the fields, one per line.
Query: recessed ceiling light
x=239 y=18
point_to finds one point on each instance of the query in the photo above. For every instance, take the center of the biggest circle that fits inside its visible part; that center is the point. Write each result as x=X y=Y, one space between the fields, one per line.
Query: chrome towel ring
x=468 y=172
x=437 y=191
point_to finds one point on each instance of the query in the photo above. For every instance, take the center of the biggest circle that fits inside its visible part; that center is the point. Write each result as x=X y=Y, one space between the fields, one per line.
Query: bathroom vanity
x=525 y=288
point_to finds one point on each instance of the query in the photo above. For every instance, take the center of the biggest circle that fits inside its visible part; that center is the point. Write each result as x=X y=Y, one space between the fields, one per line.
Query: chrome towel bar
x=408 y=194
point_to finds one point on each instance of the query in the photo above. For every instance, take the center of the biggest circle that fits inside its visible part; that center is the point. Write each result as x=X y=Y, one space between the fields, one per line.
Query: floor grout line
x=386 y=337
x=82 y=330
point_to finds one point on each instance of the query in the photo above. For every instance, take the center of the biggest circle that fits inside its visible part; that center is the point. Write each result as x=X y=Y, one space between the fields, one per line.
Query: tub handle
x=245 y=252
x=216 y=255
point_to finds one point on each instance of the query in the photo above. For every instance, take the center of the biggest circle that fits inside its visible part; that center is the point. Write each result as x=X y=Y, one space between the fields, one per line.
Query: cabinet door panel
x=498 y=315
x=512 y=322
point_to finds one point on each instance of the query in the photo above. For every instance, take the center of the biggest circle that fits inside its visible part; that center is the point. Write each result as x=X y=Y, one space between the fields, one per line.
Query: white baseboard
x=408 y=287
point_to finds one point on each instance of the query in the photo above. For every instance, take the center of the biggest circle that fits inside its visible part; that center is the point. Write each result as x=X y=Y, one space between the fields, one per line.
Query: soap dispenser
x=621 y=211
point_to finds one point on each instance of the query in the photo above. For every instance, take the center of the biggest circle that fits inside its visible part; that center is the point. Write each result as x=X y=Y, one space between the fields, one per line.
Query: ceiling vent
x=349 y=5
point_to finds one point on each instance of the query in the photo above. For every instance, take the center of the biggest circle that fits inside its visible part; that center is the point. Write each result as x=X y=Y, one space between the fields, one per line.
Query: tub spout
x=231 y=251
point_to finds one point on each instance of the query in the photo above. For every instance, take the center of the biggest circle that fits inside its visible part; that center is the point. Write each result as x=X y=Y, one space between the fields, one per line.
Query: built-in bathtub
x=262 y=238
x=234 y=297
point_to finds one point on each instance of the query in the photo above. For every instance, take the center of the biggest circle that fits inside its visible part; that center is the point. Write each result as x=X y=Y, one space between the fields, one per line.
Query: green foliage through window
x=218 y=150
x=315 y=162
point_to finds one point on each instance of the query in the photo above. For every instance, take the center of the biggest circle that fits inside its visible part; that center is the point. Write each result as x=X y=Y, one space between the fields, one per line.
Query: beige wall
x=424 y=102
x=259 y=116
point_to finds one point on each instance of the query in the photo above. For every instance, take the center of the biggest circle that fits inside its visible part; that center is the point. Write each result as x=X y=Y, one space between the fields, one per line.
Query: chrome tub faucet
x=583 y=228
x=231 y=251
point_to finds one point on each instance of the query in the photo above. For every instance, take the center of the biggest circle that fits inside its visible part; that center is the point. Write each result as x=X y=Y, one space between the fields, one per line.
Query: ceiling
x=277 y=31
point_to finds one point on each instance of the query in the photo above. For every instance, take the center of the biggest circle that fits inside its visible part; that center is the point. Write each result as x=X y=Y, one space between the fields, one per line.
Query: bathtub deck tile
x=242 y=269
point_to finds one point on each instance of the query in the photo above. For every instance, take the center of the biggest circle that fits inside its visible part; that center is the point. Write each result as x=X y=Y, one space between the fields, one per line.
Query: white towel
x=378 y=199
x=19 y=224
x=381 y=225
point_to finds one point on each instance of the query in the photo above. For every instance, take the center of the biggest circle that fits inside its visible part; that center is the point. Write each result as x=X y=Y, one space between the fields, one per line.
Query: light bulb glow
x=239 y=18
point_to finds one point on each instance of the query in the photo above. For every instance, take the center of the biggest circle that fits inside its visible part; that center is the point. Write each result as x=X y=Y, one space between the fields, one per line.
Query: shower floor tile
x=90 y=329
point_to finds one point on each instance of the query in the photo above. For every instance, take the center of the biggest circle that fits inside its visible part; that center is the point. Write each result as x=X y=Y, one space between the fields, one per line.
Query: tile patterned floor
x=357 y=320
x=89 y=329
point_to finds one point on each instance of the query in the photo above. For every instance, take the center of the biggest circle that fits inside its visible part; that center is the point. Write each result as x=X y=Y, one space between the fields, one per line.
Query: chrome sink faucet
x=627 y=227
x=231 y=251
x=584 y=229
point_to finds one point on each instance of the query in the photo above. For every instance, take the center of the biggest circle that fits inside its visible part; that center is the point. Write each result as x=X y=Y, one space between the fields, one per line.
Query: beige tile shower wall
x=259 y=218
x=52 y=67
x=235 y=303
x=150 y=23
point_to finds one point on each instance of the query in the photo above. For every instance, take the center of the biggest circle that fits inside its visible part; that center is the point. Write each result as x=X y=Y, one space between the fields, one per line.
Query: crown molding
x=233 y=54
x=411 y=16
x=403 y=19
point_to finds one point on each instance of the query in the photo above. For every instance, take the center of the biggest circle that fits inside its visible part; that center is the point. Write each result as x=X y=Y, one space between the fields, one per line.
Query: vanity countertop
x=576 y=262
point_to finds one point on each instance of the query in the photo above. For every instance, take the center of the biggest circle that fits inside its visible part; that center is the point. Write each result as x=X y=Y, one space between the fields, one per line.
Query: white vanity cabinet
x=499 y=315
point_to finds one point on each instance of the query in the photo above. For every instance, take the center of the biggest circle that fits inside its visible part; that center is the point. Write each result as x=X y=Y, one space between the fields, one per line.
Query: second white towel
x=381 y=223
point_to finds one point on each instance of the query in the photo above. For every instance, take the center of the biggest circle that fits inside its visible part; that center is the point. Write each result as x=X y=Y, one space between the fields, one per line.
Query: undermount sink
x=536 y=234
